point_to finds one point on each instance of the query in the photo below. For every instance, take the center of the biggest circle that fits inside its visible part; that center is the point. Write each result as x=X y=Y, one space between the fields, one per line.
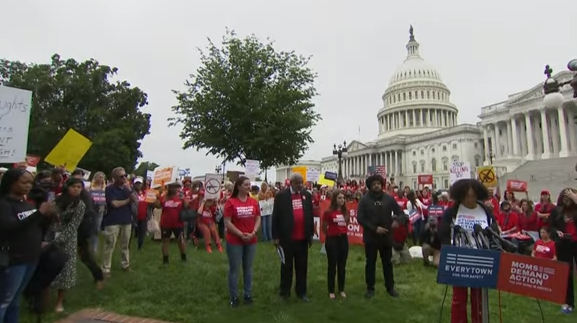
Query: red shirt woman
x=172 y=203
x=242 y=221
x=507 y=219
x=528 y=220
x=544 y=208
x=545 y=247
x=335 y=221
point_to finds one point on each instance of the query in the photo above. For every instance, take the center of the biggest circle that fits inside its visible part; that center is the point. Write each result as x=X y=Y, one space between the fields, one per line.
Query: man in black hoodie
x=378 y=212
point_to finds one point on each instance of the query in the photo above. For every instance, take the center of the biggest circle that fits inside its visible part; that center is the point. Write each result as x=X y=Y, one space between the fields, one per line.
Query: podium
x=509 y=272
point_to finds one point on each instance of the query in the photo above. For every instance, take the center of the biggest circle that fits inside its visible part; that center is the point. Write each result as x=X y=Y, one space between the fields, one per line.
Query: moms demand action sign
x=518 y=274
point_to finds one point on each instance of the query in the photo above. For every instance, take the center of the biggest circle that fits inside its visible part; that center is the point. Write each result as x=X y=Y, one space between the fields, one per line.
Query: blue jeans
x=266 y=223
x=95 y=239
x=13 y=281
x=238 y=255
x=418 y=228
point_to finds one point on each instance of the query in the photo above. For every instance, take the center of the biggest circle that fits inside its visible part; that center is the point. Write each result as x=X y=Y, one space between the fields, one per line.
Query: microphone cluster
x=488 y=238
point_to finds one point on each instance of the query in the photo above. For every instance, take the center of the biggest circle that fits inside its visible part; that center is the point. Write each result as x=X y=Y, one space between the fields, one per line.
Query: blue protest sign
x=468 y=267
x=331 y=175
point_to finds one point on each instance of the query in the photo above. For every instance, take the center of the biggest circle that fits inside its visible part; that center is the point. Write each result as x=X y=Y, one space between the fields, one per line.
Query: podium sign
x=466 y=267
x=533 y=277
x=509 y=272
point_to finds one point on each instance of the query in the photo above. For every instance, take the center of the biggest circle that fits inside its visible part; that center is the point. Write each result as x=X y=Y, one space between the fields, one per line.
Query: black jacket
x=377 y=210
x=20 y=230
x=431 y=238
x=87 y=228
x=283 y=220
x=446 y=225
x=557 y=220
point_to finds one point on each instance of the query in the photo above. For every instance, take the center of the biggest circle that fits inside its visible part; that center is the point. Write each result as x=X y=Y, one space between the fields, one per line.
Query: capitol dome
x=416 y=100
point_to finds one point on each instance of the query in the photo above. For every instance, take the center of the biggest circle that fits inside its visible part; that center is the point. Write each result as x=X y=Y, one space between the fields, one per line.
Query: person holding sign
x=466 y=211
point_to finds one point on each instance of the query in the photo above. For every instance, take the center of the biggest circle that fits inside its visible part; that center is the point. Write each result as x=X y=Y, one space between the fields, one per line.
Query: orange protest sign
x=516 y=186
x=533 y=277
x=163 y=176
x=151 y=196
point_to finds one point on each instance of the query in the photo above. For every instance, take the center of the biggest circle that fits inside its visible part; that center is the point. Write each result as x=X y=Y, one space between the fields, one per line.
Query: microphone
x=462 y=235
x=482 y=242
x=507 y=245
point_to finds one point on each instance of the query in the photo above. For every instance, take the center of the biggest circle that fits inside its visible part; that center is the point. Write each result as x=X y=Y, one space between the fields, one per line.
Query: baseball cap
x=138 y=180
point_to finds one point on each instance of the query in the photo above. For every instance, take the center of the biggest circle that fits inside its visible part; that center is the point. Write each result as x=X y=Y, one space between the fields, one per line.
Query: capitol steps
x=549 y=174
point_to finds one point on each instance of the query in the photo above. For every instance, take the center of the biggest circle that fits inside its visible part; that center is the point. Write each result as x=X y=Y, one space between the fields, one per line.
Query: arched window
x=445 y=164
x=455 y=158
x=433 y=165
x=422 y=166
x=404 y=96
x=414 y=167
x=477 y=161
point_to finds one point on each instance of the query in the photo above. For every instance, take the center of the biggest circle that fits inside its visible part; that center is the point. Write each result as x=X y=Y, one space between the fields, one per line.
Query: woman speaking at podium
x=467 y=196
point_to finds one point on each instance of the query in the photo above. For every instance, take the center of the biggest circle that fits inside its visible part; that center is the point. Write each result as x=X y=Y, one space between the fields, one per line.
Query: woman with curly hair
x=468 y=208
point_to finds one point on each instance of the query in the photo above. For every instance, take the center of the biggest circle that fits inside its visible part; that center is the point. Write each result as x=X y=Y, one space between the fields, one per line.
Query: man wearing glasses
x=117 y=221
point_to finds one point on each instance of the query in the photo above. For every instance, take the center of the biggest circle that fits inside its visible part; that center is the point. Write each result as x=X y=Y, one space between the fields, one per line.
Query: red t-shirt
x=508 y=223
x=529 y=222
x=243 y=216
x=400 y=234
x=426 y=200
x=545 y=250
x=402 y=201
x=208 y=215
x=142 y=207
x=299 y=217
x=570 y=228
x=336 y=224
x=546 y=208
x=171 y=212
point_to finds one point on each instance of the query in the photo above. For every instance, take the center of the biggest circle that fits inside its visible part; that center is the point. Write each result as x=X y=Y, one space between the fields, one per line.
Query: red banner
x=355 y=231
x=533 y=277
x=425 y=179
x=516 y=186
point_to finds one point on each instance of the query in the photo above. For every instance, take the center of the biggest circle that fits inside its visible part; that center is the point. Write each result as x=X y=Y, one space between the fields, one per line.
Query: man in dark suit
x=292 y=231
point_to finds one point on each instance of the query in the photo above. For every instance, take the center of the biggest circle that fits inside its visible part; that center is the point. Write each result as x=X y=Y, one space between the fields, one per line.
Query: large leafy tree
x=81 y=95
x=248 y=101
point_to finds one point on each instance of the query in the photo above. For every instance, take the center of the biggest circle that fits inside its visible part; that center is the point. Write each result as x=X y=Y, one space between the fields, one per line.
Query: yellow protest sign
x=487 y=176
x=69 y=151
x=301 y=170
x=323 y=181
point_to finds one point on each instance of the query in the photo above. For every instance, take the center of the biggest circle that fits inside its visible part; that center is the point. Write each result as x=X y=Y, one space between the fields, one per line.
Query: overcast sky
x=483 y=51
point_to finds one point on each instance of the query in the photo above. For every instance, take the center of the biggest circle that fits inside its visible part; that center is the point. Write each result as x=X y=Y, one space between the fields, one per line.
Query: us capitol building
x=419 y=133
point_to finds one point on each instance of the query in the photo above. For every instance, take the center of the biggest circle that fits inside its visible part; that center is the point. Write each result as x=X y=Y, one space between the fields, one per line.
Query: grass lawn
x=196 y=292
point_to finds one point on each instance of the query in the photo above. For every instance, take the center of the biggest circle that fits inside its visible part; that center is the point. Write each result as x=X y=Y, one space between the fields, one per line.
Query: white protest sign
x=252 y=169
x=313 y=174
x=459 y=170
x=212 y=186
x=15 y=106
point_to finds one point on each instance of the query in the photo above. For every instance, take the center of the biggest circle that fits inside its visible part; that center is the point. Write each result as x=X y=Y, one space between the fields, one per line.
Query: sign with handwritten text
x=15 y=105
x=459 y=170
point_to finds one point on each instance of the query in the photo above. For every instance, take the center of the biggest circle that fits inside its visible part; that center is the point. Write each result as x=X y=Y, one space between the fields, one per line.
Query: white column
x=564 y=151
x=545 y=132
x=514 y=136
x=486 y=142
x=497 y=151
x=530 y=140
x=396 y=163
x=509 y=141
x=571 y=131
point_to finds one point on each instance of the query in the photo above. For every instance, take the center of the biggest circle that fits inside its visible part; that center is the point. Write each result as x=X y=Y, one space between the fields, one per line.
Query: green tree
x=81 y=95
x=144 y=167
x=248 y=101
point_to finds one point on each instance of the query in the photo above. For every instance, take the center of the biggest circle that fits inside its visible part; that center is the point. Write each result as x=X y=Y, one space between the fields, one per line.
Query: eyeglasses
x=122 y=176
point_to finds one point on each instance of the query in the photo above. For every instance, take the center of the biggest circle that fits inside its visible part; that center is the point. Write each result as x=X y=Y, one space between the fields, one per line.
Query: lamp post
x=340 y=152
x=553 y=98
x=217 y=169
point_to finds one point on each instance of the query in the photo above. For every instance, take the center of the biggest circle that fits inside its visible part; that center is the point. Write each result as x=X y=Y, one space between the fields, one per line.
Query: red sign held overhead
x=533 y=277
x=425 y=179
x=516 y=186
